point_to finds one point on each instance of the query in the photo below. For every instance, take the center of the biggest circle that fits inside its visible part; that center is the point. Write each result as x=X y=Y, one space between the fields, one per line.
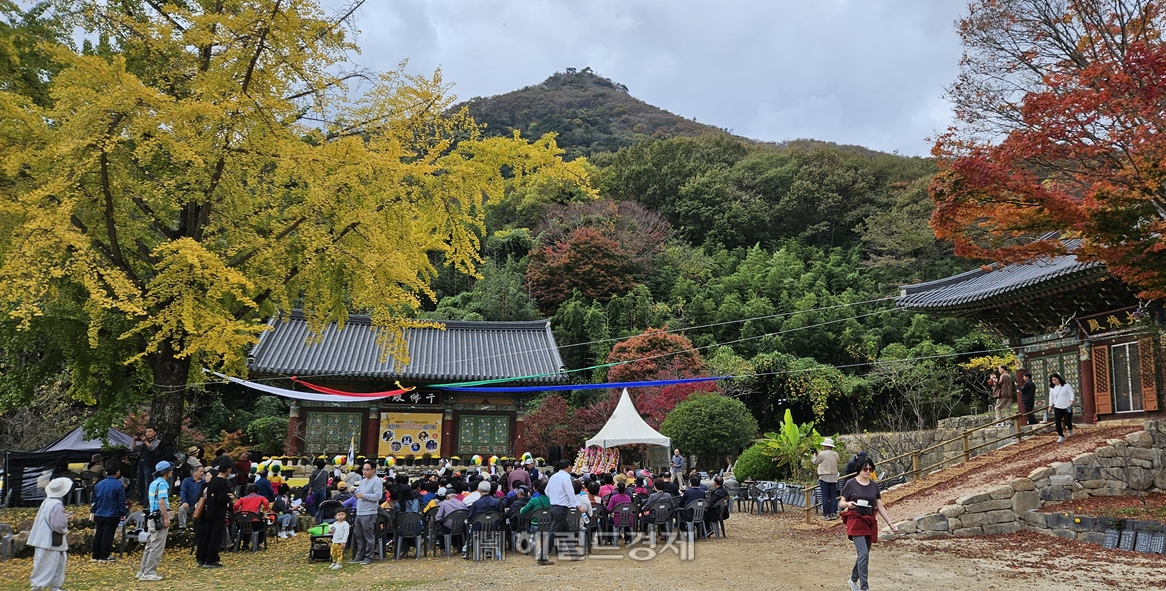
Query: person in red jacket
x=860 y=499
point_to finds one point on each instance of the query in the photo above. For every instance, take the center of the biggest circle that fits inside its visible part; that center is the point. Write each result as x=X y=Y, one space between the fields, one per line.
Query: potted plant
x=540 y=462
x=426 y=459
x=409 y=459
x=457 y=461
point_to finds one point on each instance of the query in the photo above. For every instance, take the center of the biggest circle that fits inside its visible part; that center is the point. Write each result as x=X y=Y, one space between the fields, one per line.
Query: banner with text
x=410 y=433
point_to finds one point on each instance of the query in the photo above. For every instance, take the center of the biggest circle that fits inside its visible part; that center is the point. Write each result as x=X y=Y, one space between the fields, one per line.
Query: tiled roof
x=464 y=351
x=979 y=288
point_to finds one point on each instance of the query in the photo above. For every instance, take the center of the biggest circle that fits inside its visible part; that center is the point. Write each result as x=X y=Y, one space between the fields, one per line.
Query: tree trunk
x=168 y=405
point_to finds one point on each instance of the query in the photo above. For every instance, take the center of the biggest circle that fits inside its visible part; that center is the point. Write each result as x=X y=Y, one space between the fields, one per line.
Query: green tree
x=710 y=425
x=205 y=167
x=499 y=296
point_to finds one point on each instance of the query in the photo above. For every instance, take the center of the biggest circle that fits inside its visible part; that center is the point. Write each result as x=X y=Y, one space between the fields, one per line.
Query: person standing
x=1027 y=395
x=369 y=494
x=145 y=445
x=676 y=465
x=1061 y=398
x=827 y=462
x=1004 y=391
x=48 y=536
x=109 y=509
x=560 y=494
x=242 y=474
x=860 y=500
x=214 y=514
x=157 y=522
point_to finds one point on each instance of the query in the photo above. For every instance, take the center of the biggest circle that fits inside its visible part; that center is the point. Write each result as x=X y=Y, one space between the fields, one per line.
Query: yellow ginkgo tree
x=203 y=164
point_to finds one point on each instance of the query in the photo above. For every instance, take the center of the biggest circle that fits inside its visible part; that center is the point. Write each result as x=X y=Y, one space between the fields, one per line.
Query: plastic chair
x=715 y=516
x=776 y=496
x=410 y=526
x=624 y=517
x=486 y=534
x=458 y=518
x=661 y=518
x=245 y=522
x=757 y=499
x=5 y=542
x=429 y=542
x=737 y=495
x=381 y=530
x=695 y=518
x=130 y=528
x=89 y=480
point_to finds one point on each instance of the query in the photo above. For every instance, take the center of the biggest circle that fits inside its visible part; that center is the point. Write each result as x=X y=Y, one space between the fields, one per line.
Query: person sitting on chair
x=257 y=504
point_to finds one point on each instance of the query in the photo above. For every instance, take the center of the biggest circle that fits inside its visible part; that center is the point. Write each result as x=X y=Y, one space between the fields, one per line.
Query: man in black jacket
x=214 y=515
x=1027 y=394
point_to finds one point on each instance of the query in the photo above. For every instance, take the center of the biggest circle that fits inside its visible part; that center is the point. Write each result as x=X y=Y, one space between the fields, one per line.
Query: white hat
x=828 y=442
x=59 y=487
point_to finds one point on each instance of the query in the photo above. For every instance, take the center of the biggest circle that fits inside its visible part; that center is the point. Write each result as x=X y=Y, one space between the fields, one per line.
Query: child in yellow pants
x=339 y=531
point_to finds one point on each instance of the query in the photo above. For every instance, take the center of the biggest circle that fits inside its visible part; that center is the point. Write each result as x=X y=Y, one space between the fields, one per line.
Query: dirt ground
x=761 y=552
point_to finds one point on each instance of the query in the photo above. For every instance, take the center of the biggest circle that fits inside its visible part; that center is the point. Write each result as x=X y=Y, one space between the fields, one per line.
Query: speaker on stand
x=554 y=454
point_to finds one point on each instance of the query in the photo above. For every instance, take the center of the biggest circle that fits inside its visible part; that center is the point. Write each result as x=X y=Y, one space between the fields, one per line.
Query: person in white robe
x=51 y=557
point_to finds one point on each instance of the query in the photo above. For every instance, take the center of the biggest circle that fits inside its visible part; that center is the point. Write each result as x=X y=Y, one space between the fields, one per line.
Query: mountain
x=589 y=113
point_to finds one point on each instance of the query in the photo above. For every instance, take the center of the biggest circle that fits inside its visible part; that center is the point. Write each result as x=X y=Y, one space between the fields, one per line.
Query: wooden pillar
x=447 y=449
x=519 y=434
x=295 y=442
x=1088 y=405
x=372 y=432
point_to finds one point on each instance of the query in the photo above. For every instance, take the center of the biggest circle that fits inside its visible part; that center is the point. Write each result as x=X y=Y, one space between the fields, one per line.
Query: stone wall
x=1121 y=467
x=889 y=445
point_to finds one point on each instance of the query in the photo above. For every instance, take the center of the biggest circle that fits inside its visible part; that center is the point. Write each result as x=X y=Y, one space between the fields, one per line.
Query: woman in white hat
x=827 y=462
x=48 y=537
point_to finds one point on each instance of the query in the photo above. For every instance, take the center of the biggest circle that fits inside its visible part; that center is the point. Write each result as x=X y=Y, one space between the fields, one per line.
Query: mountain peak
x=589 y=113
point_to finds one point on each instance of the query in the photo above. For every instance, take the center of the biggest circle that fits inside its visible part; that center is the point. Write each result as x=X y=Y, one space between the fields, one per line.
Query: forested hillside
x=589 y=113
x=716 y=255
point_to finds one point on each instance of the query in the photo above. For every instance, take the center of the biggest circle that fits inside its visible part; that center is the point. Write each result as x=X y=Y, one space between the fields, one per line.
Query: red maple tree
x=550 y=424
x=596 y=266
x=1061 y=109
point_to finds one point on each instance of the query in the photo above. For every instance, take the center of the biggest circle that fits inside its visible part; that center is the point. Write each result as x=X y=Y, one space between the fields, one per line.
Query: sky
x=865 y=72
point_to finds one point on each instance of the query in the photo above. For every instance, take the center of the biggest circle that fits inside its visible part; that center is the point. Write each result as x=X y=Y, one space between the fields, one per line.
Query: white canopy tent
x=625 y=427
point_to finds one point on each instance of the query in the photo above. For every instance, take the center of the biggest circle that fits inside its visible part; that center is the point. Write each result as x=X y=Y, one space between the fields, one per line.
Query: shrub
x=755 y=463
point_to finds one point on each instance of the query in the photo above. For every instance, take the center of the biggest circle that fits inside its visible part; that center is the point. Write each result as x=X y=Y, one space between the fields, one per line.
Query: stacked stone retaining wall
x=1124 y=466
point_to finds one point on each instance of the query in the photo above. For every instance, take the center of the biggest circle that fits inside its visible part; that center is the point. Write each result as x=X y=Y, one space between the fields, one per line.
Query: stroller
x=320 y=541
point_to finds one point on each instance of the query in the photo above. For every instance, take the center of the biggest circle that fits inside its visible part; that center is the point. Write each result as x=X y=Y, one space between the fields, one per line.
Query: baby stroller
x=320 y=541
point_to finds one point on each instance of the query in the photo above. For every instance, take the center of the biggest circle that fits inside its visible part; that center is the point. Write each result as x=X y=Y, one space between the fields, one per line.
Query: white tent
x=625 y=427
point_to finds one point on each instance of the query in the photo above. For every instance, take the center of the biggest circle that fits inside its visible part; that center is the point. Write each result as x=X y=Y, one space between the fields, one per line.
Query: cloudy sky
x=866 y=72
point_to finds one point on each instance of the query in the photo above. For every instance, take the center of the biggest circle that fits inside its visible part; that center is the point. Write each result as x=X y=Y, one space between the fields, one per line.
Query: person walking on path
x=157 y=522
x=1004 y=391
x=860 y=500
x=1027 y=395
x=109 y=510
x=48 y=536
x=1061 y=399
x=369 y=494
x=560 y=494
x=676 y=465
x=827 y=462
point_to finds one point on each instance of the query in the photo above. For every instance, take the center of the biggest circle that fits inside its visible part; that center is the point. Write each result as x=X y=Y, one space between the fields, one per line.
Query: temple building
x=421 y=422
x=1065 y=316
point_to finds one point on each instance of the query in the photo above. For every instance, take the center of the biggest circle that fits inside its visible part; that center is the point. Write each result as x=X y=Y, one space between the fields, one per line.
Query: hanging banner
x=410 y=433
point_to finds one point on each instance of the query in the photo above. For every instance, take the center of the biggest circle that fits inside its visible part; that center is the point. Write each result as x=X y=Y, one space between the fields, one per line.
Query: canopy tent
x=75 y=441
x=626 y=427
x=27 y=472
